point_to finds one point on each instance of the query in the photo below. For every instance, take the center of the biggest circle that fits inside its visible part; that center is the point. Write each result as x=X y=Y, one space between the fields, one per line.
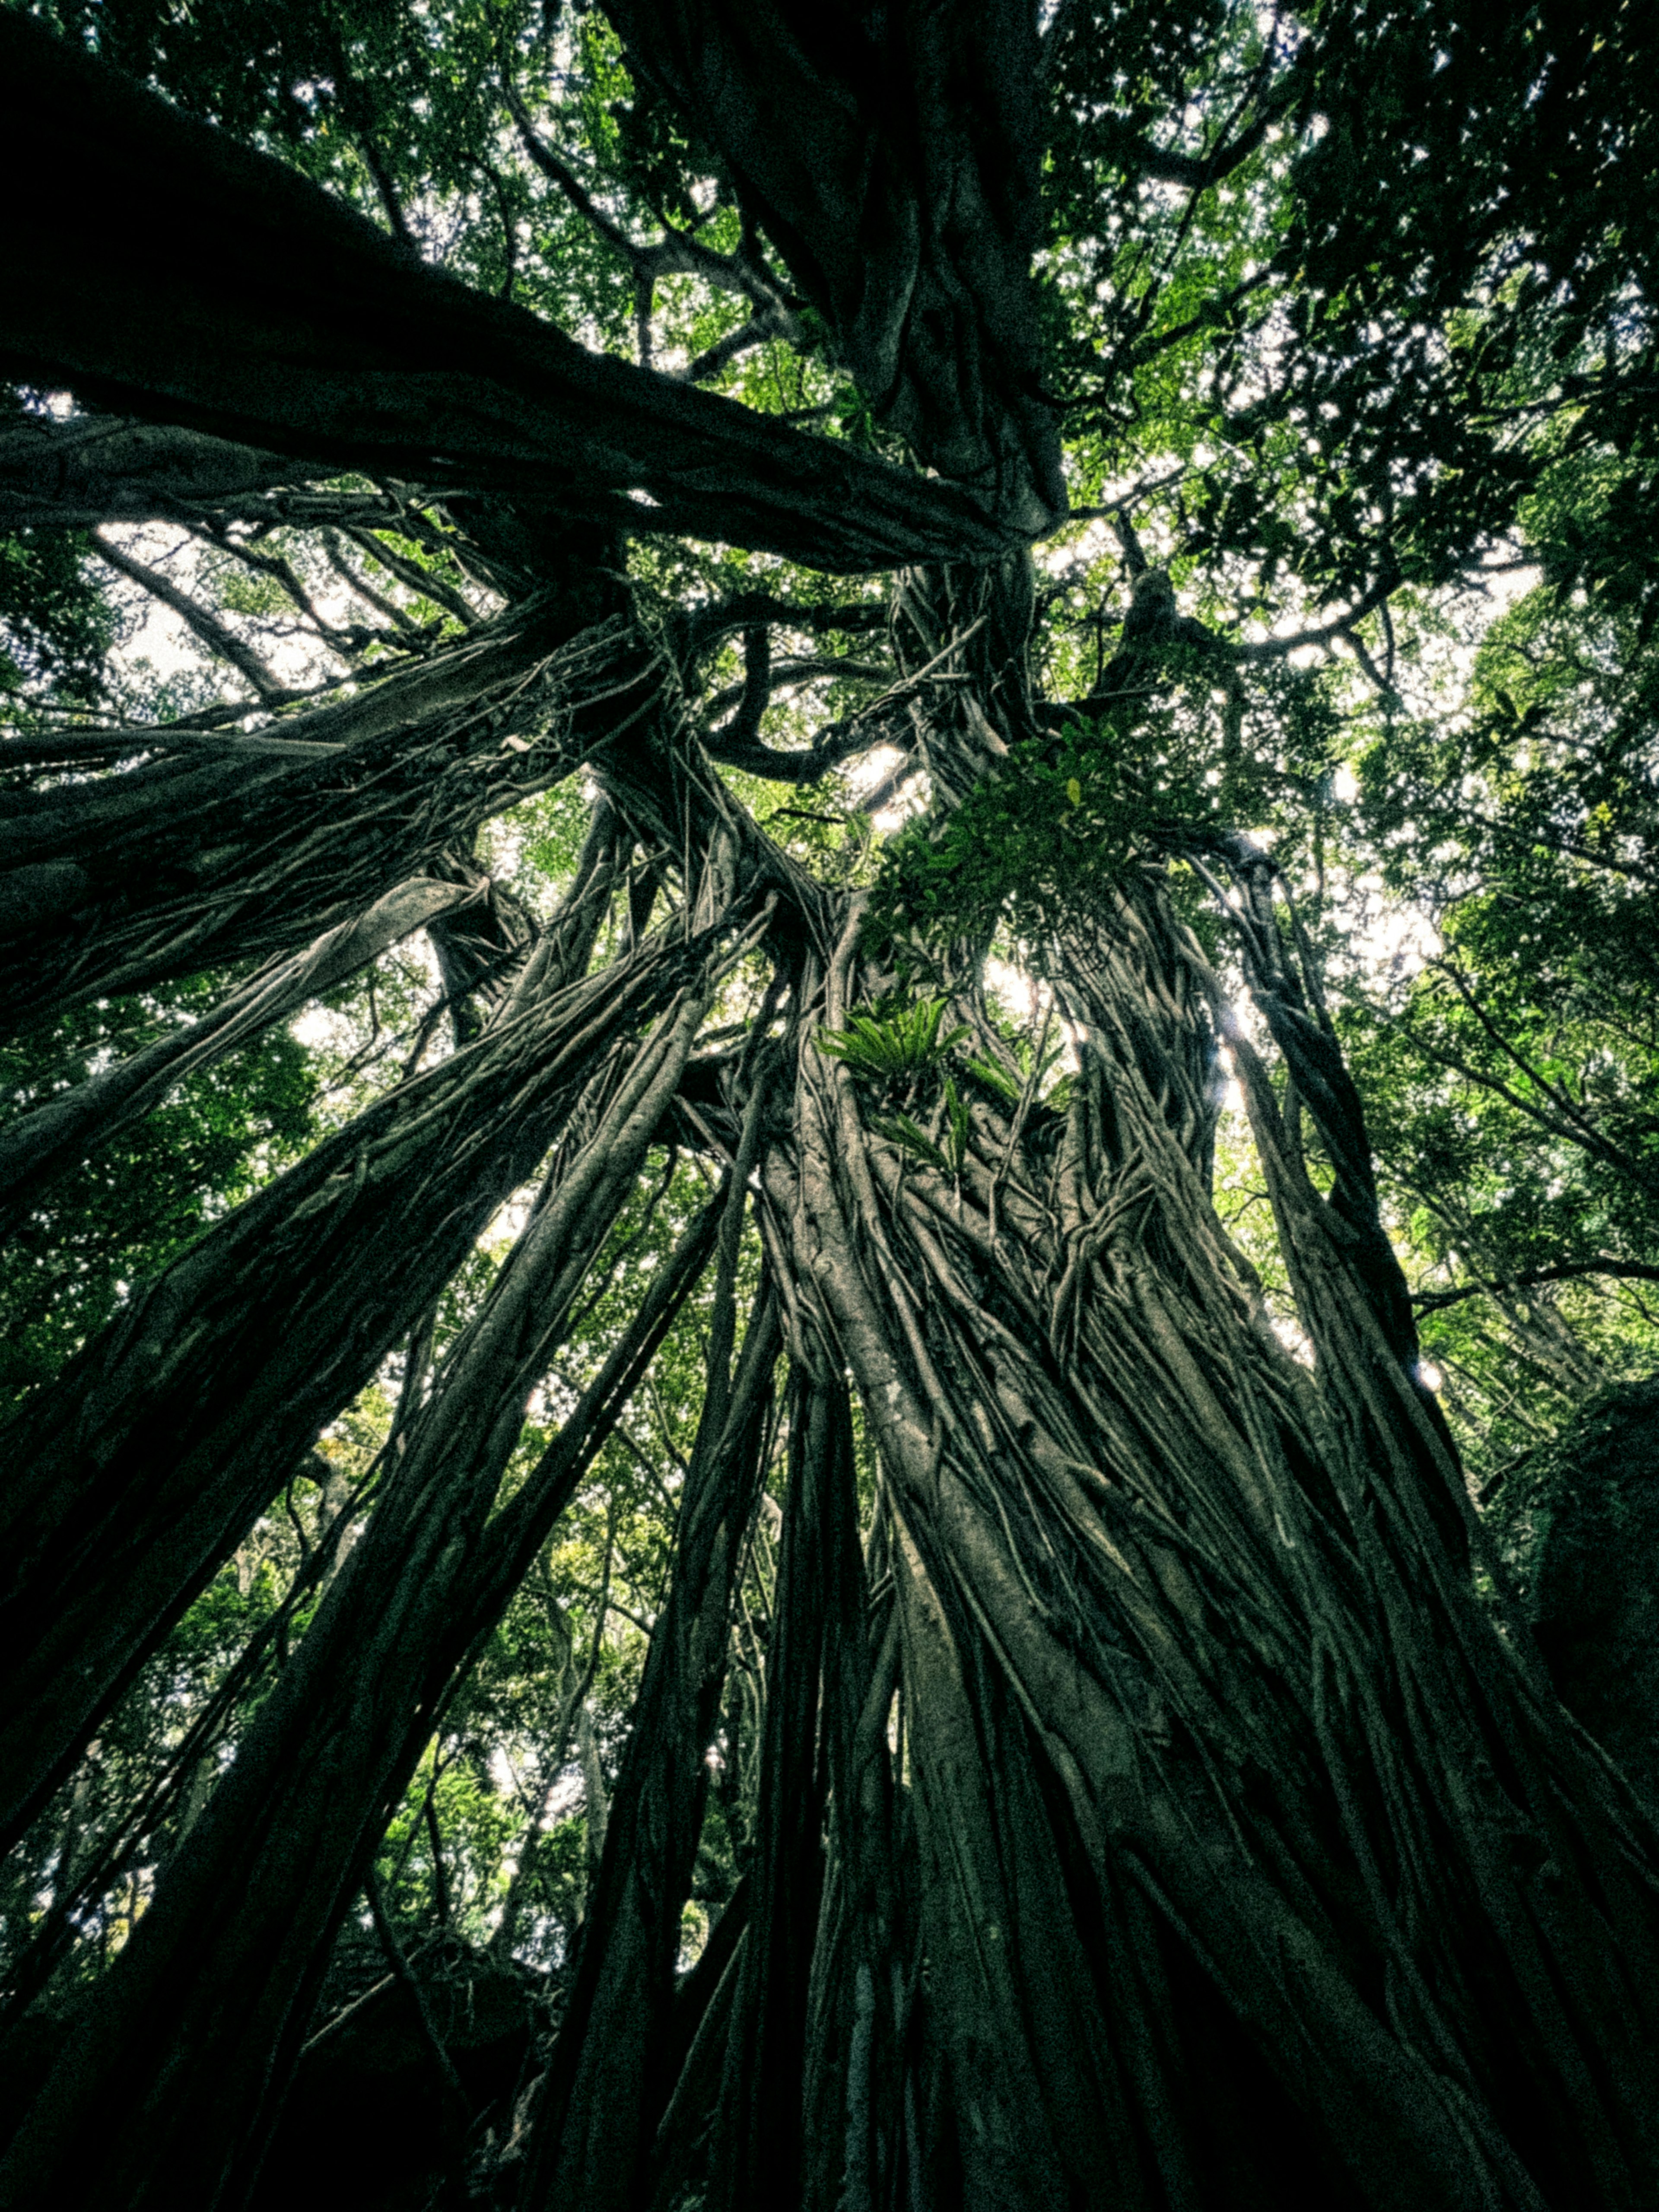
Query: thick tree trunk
x=141 y=1466
x=229 y=1956
x=908 y=217
x=1262 y=1695
x=606 y=2087
x=1226 y=1852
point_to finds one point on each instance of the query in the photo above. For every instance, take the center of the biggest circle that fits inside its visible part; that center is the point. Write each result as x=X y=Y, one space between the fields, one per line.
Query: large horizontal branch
x=1636 y=1270
x=248 y=304
x=107 y=469
x=897 y=167
x=75 y=473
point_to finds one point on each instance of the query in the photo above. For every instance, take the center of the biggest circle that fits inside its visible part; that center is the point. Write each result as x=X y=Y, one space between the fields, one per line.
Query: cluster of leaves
x=901 y=1050
x=123 y=1213
x=1188 y=751
x=56 y=626
x=1364 y=294
x=894 y=1043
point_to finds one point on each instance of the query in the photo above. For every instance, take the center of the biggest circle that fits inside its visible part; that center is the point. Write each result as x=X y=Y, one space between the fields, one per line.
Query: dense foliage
x=1090 y=854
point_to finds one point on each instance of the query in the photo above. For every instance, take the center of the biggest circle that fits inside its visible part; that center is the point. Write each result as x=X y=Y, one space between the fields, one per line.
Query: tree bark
x=908 y=217
x=229 y=1955
x=142 y=1464
x=758 y=2149
x=387 y=367
x=75 y=475
x=605 y=2090
x=1266 y=1700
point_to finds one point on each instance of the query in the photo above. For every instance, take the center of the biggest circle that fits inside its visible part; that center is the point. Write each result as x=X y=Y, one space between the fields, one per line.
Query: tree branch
x=388 y=192
x=706 y=625
x=344 y=642
x=336 y=558
x=1272 y=648
x=1632 y=1270
x=414 y=579
x=708 y=364
x=743 y=730
x=788 y=673
x=673 y=254
x=391 y=368
x=213 y=634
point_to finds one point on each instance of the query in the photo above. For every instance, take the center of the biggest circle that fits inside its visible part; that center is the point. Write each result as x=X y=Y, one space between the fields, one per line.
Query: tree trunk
x=143 y=1463
x=1199 y=1836
x=230 y=1954
x=758 y=2149
x=605 y=2090
x=1262 y=1694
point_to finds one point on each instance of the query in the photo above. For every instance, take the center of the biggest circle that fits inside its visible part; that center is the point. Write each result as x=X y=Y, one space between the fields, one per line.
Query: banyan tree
x=1161 y=1801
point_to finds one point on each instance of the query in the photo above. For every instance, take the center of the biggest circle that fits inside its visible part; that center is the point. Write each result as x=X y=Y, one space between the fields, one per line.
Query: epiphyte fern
x=947 y=1150
x=892 y=1042
x=1033 y=1061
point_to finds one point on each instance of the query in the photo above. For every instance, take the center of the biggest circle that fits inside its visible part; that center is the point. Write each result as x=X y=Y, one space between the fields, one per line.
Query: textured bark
x=758 y=2149
x=1581 y=1516
x=1261 y=1695
x=142 y=1465
x=908 y=214
x=232 y=1950
x=386 y=366
x=75 y=475
x=480 y=946
x=608 y=2083
x=1171 y=1825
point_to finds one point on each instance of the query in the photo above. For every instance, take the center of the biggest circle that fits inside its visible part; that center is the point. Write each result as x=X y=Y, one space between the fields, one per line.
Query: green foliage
x=130 y=1209
x=947 y=1150
x=56 y=626
x=1405 y=335
x=894 y=1041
